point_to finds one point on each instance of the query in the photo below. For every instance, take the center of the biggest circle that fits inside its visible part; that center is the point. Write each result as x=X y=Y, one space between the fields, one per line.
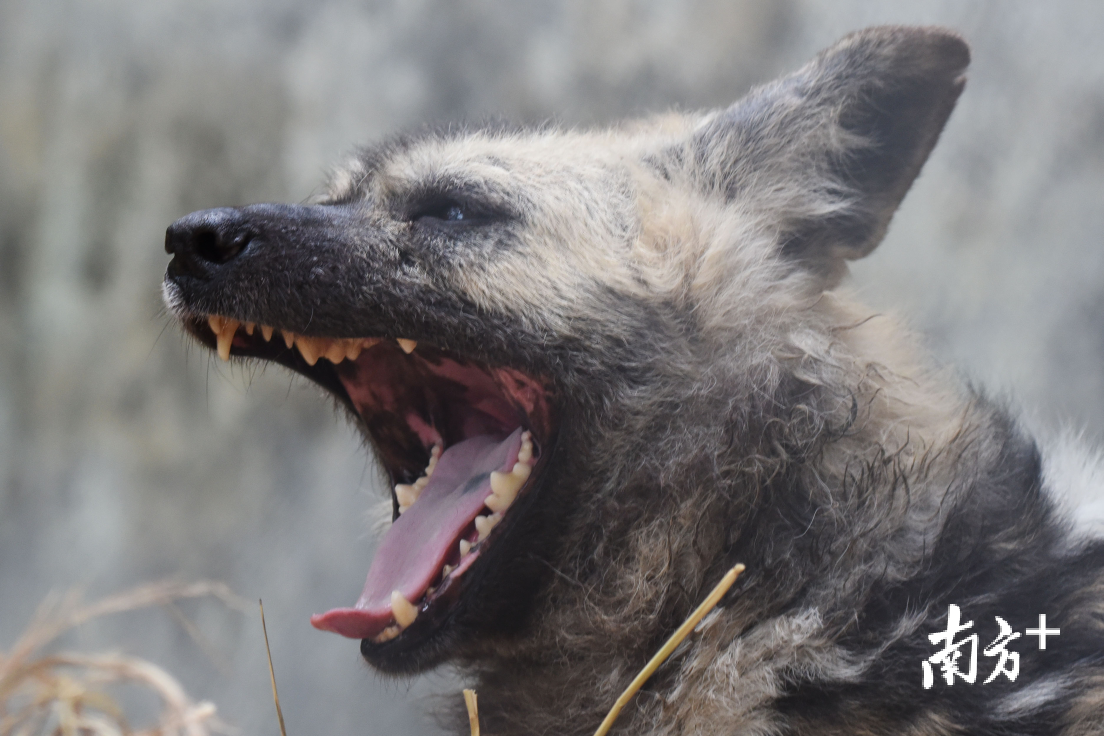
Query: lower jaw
x=414 y=652
x=528 y=397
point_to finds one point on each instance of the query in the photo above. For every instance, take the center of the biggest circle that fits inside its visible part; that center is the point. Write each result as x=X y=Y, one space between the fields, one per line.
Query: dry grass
x=669 y=646
x=44 y=693
x=472 y=702
x=47 y=693
x=272 y=673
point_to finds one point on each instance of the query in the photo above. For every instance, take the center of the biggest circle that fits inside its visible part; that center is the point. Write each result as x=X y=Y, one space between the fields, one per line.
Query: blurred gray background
x=126 y=456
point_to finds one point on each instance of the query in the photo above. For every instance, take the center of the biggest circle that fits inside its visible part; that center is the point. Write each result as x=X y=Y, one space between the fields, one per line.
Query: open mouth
x=463 y=443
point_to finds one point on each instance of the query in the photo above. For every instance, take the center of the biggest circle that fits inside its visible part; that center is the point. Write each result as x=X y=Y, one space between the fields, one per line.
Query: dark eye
x=445 y=210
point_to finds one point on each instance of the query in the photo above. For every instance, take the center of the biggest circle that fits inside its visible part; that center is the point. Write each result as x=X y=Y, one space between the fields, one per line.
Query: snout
x=298 y=267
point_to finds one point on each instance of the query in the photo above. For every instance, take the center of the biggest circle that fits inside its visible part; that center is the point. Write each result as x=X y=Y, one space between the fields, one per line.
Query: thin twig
x=472 y=702
x=665 y=651
x=272 y=672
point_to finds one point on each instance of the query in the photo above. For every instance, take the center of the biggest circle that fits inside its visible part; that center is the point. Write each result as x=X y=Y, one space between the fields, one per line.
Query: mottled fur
x=722 y=401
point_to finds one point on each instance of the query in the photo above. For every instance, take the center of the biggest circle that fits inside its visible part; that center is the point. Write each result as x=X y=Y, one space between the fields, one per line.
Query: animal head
x=545 y=333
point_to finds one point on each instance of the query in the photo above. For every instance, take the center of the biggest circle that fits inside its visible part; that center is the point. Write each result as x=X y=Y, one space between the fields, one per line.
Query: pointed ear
x=825 y=155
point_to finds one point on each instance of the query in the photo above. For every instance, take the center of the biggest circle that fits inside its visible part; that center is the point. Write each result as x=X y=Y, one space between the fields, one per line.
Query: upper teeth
x=224 y=329
x=311 y=348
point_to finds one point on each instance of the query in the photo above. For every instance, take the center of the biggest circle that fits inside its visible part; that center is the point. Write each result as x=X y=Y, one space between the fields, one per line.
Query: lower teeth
x=505 y=487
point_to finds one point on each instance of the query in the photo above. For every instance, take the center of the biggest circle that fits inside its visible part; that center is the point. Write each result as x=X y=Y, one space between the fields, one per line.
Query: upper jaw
x=332 y=362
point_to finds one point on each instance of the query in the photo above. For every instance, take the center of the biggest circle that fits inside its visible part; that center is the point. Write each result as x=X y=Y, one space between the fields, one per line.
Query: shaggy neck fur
x=831 y=475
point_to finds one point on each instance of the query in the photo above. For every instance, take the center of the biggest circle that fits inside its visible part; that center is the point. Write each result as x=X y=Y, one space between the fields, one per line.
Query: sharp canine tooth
x=249 y=328
x=289 y=338
x=266 y=332
x=310 y=348
x=465 y=547
x=226 y=338
x=215 y=323
x=407 y=494
x=406 y=345
x=402 y=609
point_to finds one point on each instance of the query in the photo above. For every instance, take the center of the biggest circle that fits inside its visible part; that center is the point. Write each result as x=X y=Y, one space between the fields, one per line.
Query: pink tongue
x=413 y=550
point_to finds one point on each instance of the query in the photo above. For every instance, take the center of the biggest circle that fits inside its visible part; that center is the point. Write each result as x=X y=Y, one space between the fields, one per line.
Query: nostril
x=219 y=247
x=206 y=246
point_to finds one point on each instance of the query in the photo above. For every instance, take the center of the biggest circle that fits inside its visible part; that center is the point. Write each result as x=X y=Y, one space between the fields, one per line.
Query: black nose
x=204 y=240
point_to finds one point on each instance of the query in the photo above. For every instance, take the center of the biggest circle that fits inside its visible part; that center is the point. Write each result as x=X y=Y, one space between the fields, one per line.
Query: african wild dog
x=602 y=367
